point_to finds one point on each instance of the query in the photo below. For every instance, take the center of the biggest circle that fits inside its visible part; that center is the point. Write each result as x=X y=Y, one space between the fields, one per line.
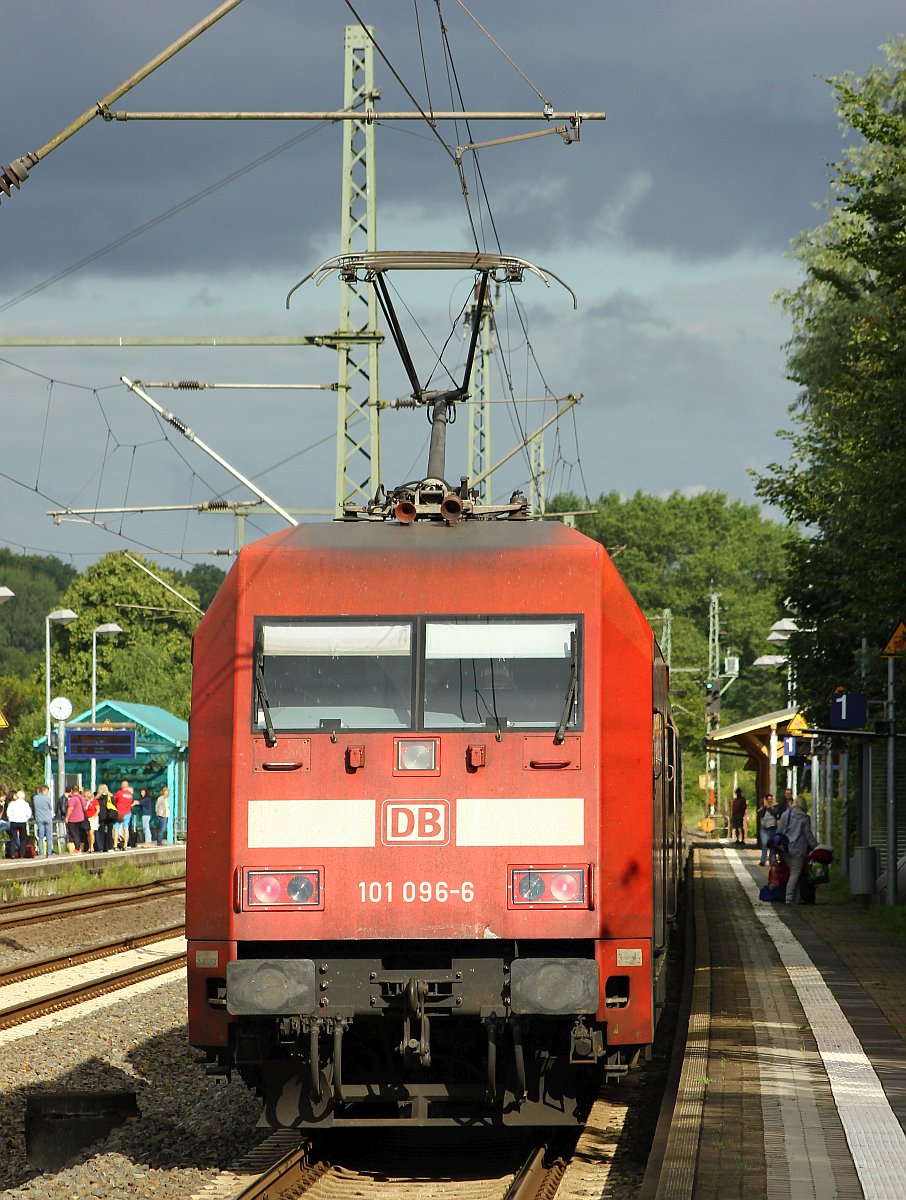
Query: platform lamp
x=6 y=594
x=110 y=630
x=62 y=616
x=779 y=636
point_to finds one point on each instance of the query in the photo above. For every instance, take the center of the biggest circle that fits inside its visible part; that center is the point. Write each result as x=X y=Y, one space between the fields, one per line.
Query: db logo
x=415 y=822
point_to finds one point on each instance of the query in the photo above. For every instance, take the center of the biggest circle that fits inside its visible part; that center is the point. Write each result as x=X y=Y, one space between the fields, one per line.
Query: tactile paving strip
x=805 y=1152
x=875 y=1138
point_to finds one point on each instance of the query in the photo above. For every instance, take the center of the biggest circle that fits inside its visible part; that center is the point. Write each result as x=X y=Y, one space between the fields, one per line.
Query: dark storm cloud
x=720 y=106
x=624 y=308
x=669 y=219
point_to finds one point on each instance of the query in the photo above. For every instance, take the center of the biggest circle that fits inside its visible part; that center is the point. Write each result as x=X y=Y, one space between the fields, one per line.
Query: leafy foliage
x=844 y=480
x=673 y=553
x=149 y=663
x=205 y=579
x=38 y=583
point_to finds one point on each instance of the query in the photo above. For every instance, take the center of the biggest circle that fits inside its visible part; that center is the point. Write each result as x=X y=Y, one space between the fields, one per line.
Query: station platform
x=19 y=870
x=801 y=1057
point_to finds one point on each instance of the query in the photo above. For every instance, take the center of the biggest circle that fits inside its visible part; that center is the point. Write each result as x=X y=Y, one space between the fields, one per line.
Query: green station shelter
x=158 y=754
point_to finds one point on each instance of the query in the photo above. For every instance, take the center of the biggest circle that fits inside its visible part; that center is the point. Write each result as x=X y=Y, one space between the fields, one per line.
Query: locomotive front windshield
x=418 y=673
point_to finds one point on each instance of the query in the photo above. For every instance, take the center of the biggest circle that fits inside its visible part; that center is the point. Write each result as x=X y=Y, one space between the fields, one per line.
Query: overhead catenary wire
x=544 y=100
x=193 y=437
x=480 y=210
x=153 y=222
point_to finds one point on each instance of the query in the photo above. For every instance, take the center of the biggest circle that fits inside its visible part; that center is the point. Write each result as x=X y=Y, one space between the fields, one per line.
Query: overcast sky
x=671 y=221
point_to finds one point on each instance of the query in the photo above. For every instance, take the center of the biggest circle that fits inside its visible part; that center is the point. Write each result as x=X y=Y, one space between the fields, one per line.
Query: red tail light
x=283 y=889
x=549 y=887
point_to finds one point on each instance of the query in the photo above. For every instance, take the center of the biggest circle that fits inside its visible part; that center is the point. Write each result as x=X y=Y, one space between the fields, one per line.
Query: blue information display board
x=100 y=743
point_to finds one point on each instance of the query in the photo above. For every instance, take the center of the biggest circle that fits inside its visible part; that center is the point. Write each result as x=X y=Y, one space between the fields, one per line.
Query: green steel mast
x=358 y=415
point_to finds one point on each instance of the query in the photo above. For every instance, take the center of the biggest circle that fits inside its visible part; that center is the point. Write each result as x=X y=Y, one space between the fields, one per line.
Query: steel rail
x=536 y=1179
x=295 y=1170
x=49 y=908
x=30 y=1010
x=75 y=958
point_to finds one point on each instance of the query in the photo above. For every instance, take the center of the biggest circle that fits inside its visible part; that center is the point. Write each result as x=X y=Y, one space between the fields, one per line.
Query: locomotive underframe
x=438 y=1033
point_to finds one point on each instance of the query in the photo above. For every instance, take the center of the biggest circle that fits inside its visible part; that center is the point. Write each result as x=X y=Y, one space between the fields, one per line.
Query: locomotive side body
x=433 y=830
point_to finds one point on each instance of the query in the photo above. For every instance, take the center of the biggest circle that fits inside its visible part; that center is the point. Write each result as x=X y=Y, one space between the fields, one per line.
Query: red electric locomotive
x=434 y=817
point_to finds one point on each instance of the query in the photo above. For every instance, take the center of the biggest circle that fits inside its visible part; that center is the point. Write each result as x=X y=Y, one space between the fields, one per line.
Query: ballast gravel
x=189 y=1127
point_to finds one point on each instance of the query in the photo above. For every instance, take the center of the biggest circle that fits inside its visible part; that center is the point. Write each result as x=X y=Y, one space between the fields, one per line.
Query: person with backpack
x=795 y=826
x=109 y=817
x=766 y=817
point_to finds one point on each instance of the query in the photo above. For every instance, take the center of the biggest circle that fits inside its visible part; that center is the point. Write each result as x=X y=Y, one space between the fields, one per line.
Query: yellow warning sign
x=4 y=724
x=896 y=643
x=797 y=726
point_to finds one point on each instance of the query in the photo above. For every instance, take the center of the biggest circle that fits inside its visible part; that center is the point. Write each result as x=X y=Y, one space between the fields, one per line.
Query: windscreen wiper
x=571 y=691
x=269 y=736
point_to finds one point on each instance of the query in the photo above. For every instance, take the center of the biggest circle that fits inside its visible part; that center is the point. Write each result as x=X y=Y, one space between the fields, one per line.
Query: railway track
x=326 y=1169
x=608 y=1158
x=20 y=1001
x=49 y=908
x=74 y=958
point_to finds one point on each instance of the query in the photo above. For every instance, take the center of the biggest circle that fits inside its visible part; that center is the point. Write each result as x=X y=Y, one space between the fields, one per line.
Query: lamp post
x=62 y=616
x=110 y=630
x=6 y=594
x=779 y=636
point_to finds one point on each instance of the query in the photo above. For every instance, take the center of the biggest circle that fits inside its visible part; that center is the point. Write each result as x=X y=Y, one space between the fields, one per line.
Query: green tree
x=673 y=553
x=206 y=579
x=844 y=481
x=150 y=662
x=38 y=583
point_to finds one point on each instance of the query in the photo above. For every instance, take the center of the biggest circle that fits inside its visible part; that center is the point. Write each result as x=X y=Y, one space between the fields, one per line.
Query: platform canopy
x=161 y=744
x=758 y=738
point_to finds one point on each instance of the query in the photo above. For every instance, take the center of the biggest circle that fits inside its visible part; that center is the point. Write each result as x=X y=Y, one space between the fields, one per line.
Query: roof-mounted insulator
x=180 y=425
x=13 y=175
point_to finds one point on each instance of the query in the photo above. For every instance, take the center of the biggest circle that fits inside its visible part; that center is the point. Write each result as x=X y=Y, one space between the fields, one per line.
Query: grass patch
x=71 y=882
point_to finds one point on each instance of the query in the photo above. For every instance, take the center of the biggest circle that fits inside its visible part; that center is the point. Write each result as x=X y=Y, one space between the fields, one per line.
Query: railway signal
x=712 y=702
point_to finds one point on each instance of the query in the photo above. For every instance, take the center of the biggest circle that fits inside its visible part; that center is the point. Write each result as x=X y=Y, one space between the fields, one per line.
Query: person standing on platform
x=93 y=820
x=162 y=808
x=738 y=817
x=107 y=818
x=42 y=806
x=4 y=823
x=19 y=812
x=123 y=800
x=76 y=822
x=146 y=810
x=797 y=829
x=766 y=817
x=786 y=801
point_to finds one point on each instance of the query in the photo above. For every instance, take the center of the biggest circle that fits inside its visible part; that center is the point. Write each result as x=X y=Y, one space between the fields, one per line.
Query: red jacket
x=123 y=800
